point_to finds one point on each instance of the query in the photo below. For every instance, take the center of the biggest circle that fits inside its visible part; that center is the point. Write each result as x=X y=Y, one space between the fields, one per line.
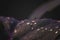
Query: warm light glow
x=51 y=30
x=56 y=32
x=22 y=21
x=8 y=17
x=28 y=23
x=45 y=28
x=15 y=31
x=33 y=21
x=38 y=29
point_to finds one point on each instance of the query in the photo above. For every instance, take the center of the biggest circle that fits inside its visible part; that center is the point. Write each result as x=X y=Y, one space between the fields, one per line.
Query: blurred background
x=22 y=9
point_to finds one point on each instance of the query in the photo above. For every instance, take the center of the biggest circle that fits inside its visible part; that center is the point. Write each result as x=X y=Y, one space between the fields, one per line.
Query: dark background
x=22 y=9
x=54 y=13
